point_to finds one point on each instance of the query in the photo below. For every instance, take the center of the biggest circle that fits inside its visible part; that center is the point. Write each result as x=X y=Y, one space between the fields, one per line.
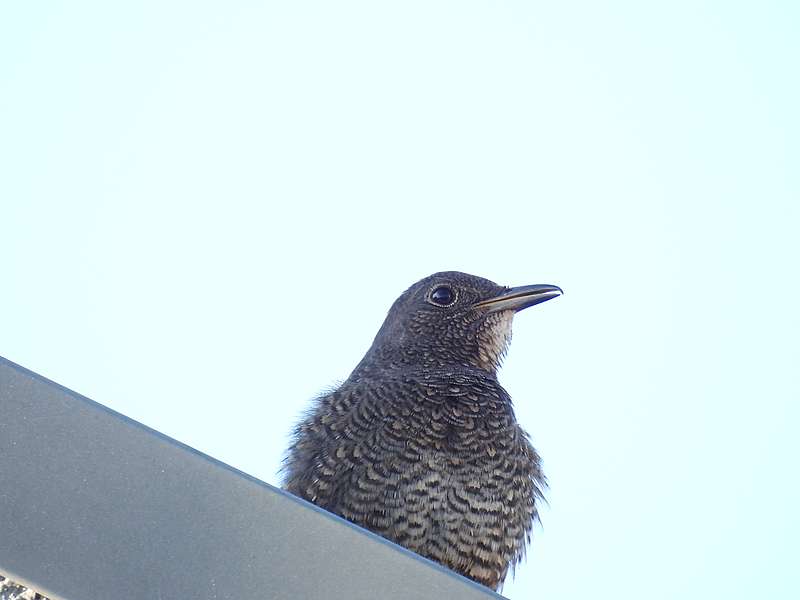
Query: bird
x=421 y=444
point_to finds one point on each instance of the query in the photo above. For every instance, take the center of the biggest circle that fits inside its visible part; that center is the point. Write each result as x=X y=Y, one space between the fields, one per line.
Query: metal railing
x=96 y=505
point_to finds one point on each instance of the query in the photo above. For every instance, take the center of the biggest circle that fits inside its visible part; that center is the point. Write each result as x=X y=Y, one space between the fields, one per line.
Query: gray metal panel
x=95 y=505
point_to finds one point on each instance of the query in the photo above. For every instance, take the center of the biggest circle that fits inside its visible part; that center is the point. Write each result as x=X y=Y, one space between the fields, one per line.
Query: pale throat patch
x=493 y=341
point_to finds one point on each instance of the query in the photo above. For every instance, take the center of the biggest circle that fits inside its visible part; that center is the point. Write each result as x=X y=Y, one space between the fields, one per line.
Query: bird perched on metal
x=420 y=444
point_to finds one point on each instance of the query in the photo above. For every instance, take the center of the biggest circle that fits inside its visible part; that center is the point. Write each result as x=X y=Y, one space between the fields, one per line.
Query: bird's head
x=452 y=319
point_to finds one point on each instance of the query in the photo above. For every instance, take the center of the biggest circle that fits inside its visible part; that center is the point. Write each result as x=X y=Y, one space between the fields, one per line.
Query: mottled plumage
x=420 y=444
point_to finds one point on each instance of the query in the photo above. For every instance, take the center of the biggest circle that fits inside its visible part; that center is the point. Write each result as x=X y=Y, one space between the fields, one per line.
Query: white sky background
x=207 y=211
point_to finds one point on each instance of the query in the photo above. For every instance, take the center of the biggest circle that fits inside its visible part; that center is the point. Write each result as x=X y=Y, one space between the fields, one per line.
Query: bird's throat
x=493 y=340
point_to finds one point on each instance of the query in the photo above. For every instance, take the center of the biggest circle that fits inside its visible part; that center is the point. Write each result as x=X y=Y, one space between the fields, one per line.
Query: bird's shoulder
x=401 y=427
x=423 y=390
x=409 y=402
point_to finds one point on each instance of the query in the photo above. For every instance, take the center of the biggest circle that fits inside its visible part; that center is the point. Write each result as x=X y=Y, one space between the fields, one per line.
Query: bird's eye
x=442 y=296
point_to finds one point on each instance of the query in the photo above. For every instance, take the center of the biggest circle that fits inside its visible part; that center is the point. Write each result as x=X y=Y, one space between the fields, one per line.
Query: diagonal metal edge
x=32 y=405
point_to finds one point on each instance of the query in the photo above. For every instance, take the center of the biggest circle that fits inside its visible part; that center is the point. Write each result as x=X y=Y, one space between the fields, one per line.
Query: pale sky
x=207 y=211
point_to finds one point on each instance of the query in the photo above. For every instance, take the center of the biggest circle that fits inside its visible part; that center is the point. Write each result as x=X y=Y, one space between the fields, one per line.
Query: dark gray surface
x=95 y=505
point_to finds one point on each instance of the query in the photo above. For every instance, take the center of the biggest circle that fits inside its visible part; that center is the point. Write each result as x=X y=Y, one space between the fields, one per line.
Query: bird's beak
x=520 y=297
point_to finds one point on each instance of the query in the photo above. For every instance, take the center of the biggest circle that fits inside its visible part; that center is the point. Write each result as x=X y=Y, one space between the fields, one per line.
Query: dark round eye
x=442 y=296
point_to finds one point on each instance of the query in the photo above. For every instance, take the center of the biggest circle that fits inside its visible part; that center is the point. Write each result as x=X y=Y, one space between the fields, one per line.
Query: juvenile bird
x=420 y=443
